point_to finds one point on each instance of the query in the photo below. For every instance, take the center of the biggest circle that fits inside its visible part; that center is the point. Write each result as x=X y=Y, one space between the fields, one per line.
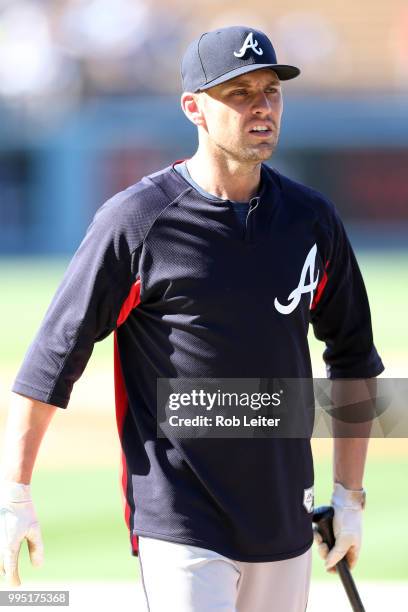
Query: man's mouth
x=261 y=130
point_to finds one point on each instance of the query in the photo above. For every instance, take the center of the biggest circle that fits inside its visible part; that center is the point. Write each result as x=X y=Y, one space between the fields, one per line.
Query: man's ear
x=191 y=106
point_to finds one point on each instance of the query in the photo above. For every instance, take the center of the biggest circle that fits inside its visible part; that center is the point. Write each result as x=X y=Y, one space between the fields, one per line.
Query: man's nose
x=262 y=103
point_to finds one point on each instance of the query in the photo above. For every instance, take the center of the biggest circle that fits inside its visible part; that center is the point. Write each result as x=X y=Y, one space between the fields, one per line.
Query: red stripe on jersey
x=135 y=543
x=180 y=161
x=132 y=300
x=121 y=401
x=320 y=288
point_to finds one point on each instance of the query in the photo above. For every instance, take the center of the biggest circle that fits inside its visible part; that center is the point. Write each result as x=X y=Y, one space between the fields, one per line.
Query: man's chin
x=259 y=153
x=251 y=153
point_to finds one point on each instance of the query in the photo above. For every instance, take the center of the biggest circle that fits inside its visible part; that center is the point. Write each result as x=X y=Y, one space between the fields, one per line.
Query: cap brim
x=283 y=71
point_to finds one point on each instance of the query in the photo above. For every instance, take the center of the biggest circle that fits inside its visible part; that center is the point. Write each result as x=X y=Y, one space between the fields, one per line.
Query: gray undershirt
x=240 y=208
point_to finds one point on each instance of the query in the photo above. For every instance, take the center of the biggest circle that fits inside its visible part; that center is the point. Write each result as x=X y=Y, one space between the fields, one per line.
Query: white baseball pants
x=182 y=578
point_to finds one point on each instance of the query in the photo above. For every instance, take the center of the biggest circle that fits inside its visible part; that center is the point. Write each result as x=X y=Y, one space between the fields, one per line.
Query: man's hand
x=18 y=521
x=347 y=527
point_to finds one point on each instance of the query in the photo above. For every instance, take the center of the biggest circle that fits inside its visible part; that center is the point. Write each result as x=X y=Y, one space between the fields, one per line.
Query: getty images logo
x=249 y=43
x=296 y=294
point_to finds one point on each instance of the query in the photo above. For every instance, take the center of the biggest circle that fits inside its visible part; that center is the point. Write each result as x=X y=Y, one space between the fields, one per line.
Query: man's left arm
x=341 y=318
x=354 y=409
x=348 y=500
x=349 y=457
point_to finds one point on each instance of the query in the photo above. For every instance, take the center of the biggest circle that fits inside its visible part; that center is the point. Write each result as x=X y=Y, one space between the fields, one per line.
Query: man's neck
x=226 y=180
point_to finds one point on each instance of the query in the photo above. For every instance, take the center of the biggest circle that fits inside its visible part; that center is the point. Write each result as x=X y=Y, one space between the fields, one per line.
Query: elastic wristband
x=14 y=491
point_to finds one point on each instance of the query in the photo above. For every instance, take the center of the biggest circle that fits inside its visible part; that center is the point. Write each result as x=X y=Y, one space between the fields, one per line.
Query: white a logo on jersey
x=249 y=43
x=296 y=294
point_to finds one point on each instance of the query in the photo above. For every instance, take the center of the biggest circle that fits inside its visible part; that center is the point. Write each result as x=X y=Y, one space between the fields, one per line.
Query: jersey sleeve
x=84 y=309
x=341 y=314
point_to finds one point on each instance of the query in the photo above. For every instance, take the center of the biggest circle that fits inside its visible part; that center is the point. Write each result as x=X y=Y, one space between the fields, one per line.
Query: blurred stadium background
x=89 y=98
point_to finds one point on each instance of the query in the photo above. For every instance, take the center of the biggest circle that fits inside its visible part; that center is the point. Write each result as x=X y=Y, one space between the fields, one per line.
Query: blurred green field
x=86 y=539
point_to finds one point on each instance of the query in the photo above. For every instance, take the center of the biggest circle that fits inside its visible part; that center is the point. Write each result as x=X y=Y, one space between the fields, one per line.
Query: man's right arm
x=84 y=310
x=27 y=422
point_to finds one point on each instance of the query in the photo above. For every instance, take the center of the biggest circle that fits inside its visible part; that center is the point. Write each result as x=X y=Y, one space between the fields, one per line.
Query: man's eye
x=243 y=92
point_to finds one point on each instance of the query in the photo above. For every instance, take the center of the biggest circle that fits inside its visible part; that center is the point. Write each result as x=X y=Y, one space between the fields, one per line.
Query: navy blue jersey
x=189 y=294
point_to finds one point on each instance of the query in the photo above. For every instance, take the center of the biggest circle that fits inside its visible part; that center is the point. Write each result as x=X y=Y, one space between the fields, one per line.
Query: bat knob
x=323 y=513
x=323 y=519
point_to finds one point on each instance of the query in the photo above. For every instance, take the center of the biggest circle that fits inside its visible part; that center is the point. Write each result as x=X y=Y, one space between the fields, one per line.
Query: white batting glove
x=18 y=521
x=348 y=505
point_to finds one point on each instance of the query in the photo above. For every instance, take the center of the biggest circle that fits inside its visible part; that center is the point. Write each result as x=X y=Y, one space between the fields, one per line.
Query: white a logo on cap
x=249 y=43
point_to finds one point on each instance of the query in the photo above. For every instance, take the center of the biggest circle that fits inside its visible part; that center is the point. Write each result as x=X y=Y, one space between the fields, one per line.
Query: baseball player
x=212 y=267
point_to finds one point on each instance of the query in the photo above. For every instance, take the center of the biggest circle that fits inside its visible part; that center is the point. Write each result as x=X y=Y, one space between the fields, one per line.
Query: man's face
x=233 y=109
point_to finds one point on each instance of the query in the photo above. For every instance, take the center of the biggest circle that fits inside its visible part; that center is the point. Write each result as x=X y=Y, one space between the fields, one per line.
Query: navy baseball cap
x=225 y=53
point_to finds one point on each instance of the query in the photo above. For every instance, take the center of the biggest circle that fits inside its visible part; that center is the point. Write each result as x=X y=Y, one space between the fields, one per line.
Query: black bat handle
x=323 y=519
